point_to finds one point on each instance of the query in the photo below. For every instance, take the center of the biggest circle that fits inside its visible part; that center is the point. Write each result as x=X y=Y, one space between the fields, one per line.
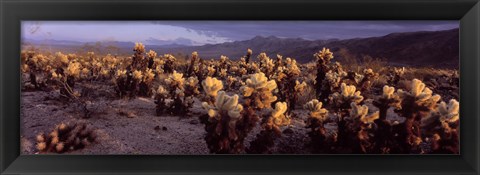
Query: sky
x=213 y=32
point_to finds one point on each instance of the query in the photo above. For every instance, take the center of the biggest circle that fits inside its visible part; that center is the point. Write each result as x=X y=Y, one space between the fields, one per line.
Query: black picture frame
x=14 y=11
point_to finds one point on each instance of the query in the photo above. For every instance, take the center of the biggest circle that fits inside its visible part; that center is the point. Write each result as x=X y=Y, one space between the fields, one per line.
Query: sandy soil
x=131 y=126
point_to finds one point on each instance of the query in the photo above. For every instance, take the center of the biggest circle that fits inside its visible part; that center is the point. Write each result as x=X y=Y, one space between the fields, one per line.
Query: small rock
x=157 y=128
x=164 y=128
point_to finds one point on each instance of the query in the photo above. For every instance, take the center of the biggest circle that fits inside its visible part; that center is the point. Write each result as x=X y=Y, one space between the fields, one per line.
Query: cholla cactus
x=299 y=87
x=291 y=67
x=258 y=91
x=182 y=92
x=146 y=79
x=223 y=62
x=151 y=59
x=348 y=95
x=387 y=100
x=383 y=135
x=161 y=95
x=266 y=64
x=271 y=129
x=441 y=127
x=211 y=70
x=211 y=86
x=333 y=80
x=139 y=48
x=324 y=56
x=221 y=124
x=323 y=60
x=365 y=81
x=359 y=129
x=192 y=66
x=137 y=75
x=73 y=70
x=316 y=111
x=222 y=73
x=396 y=75
x=224 y=104
x=416 y=104
x=230 y=82
x=168 y=63
x=360 y=112
x=62 y=59
x=65 y=137
x=321 y=141
x=449 y=113
x=249 y=54
x=191 y=86
x=175 y=80
x=278 y=117
x=419 y=96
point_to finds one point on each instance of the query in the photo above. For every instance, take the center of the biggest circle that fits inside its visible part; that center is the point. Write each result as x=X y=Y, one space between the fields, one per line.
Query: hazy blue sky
x=204 y=32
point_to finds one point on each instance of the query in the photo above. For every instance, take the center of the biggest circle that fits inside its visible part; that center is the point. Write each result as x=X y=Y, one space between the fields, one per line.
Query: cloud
x=179 y=41
x=211 y=32
x=242 y=30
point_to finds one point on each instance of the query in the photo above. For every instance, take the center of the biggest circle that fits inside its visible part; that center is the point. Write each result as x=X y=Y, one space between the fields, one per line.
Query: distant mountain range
x=423 y=48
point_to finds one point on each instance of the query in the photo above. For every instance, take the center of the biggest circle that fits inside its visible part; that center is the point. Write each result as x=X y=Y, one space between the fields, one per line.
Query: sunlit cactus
x=193 y=67
x=360 y=132
x=449 y=113
x=221 y=124
x=271 y=129
x=211 y=86
x=258 y=91
x=316 y=111
x=360 y=112
x=230 y=82
x=396 y=75
x=168 y=62
x=65 y=138
x=161 y=94
x=347 y=95
x=139 y=48
x=137 y=75
x=387 y=100
x=73 y=69
x=441 y=127
x=421 y=95
x=323 y=58
x=151 y=59
x=266 y=64
x=318 y=117
x=417 y=103
x=249 y=54
x=175 y=80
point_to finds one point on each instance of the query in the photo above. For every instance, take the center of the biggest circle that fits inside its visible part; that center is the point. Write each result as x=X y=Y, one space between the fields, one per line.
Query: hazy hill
x=436 y=49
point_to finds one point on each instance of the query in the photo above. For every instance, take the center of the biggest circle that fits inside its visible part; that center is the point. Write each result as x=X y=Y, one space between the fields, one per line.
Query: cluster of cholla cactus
x=179 y=91
x=138 y=76
x=65 y=138
x=287 y=76
x=257 y=95
x=430 y=126
x=350 y=112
